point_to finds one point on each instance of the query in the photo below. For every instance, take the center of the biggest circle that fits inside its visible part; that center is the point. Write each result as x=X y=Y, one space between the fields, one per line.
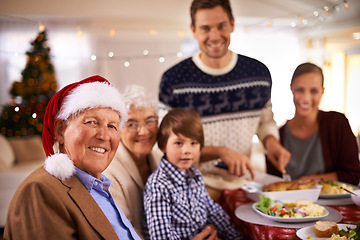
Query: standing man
x=231 y=92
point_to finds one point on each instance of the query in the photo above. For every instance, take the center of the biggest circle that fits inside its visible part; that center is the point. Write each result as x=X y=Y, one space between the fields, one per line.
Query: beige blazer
x=127 y=188
x=60 y=210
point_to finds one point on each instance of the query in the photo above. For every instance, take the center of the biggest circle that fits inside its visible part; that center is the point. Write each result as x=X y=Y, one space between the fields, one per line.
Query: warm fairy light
x=301 y=19
x=34 y=115
x=179 y=54
x=112 y=32
x=111 y=54
x=127 y=64
x=356 y=35
x=181 y=34
x=326 y=10
x=269 y=24
x=245 y=30
x=16 y=109
x=41 y=27
x=145 y=52
x=346 y=5
x=153 y=32
x=161 y=59
x=93 y=57
x=79 y=32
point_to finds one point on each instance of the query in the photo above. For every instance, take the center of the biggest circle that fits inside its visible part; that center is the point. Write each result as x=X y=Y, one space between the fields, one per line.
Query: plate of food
x=327 y=229
x=334 y=189
x=302 y=210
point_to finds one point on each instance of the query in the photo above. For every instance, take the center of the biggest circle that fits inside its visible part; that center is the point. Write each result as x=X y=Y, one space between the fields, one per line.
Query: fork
x=286 y=177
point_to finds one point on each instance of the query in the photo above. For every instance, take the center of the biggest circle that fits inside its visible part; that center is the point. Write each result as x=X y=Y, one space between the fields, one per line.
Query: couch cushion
x=27 y=149
x=7 y=156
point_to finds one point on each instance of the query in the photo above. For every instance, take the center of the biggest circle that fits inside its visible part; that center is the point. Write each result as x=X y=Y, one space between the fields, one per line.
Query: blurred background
x=135 y=41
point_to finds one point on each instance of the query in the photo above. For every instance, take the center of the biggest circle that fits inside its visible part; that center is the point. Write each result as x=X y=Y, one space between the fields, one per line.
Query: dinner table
x=238 y=203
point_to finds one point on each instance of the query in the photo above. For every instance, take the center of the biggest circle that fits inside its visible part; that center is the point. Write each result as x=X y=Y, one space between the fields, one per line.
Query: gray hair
x=136 y=96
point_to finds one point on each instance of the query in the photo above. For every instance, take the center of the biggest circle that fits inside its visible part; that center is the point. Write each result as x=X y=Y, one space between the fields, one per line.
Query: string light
x=79 y=32
x=112 y=32
x=326 y=10
x=41 y=27
x=153 y=32
x=311 y=18
x=179 y=54
x=356 y=35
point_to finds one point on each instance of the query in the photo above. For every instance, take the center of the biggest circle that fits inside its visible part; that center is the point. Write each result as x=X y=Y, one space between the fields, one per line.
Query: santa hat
x=92 y=92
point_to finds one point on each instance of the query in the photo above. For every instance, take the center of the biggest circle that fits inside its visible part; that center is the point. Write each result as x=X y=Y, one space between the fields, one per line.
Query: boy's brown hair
x=180 y=121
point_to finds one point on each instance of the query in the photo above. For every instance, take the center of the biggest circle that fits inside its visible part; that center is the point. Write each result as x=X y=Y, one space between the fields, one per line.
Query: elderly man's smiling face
x=91 y=139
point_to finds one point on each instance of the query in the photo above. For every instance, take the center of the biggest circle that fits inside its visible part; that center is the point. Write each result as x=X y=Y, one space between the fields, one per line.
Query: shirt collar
x=215 y=71
x=89 y=181
x=177 y=175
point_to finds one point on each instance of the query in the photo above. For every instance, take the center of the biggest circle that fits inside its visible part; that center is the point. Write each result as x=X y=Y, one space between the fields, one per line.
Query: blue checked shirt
x=178 y=206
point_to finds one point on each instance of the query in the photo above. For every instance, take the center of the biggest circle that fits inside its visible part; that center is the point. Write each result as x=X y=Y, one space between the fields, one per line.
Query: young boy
x=176 y=203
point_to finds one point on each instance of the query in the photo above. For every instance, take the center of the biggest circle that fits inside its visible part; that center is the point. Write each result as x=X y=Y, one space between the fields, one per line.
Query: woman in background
x=322 y=144
x=135 y=158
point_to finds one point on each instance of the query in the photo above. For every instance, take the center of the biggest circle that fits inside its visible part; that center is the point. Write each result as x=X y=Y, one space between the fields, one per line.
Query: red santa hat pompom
x=92 y=92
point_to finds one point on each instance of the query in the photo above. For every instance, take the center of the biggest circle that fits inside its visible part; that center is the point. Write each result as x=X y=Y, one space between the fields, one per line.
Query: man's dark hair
x=210 y=4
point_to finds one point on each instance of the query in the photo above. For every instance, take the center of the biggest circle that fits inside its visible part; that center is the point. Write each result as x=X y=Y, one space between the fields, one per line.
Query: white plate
x=290 y=220
x=306 y=232
x=342 y=195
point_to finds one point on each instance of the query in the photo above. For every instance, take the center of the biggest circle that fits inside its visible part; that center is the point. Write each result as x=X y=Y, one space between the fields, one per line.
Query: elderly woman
x=69 y=197
x=135 y=158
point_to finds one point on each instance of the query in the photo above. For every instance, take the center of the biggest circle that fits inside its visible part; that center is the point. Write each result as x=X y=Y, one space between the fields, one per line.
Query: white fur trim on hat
x=93 y=95
x=60 y=166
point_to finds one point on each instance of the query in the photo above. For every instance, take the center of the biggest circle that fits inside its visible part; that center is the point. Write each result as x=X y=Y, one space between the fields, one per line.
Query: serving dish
x=254 y=190
x=290 y=220
x=356 y=198
x=341 y=195
x=309 y=232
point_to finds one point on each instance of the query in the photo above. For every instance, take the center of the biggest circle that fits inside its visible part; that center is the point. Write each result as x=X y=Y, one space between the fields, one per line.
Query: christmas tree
x=24 y=116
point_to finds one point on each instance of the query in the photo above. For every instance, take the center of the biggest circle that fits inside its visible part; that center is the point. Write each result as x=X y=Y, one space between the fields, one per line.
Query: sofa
x=19 y=156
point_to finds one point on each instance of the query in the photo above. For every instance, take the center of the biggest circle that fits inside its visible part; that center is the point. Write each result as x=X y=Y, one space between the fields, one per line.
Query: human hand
x=208 y=233
x=237 y=163
x=276 y=153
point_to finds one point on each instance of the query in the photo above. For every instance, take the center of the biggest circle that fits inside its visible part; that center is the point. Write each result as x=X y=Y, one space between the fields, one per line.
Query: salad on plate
x=300 y=209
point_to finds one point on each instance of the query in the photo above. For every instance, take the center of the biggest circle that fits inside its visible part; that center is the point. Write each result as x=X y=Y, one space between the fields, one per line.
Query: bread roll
x=325 y=228
x=303 y=202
